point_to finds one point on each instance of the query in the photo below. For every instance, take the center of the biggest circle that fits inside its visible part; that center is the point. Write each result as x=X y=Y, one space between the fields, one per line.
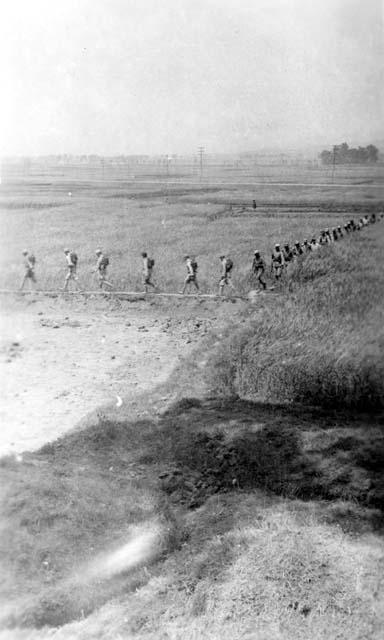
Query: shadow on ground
x=80 y=494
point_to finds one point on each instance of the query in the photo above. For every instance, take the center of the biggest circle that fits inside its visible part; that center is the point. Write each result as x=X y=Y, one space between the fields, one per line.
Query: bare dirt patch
x=59 y=362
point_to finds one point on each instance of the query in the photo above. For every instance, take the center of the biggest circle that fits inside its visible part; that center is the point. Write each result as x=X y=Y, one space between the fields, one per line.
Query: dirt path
x=58 y=363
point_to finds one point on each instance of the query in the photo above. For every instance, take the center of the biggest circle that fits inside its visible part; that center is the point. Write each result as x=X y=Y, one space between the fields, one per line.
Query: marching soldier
x=148 y=264
x=101 y=269
x=226 y=269
x=278 y=263
x=258 y=268
x=288 y=253
x=297 y=249
x=191 y=278
x=72 y=260
x=29 y=269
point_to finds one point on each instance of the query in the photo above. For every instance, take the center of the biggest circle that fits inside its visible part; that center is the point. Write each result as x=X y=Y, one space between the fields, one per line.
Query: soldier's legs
x=190 y=280
x=29 y=275
x=230 y=284
x=23 y=282
x=260 y=278
x=148 y=283
x=186 y=283
x=71 y=275
x=103 y=281
x=68 y=277
x=278 y=271
x=222 y=283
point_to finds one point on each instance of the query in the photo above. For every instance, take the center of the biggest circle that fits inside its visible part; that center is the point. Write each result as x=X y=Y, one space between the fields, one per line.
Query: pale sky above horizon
x=148 y=76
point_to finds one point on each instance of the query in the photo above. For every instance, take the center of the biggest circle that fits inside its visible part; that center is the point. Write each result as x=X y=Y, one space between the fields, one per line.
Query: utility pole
x=333 y=162
x=201 y=151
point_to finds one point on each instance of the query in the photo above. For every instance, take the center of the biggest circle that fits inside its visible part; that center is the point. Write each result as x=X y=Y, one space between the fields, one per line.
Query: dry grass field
x=241 y=494
x=169 y=220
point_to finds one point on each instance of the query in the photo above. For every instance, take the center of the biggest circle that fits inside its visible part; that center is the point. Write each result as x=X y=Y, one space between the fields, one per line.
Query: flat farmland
x=170 y=217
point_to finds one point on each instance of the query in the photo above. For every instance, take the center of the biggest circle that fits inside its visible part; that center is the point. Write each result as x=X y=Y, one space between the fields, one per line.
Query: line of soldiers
x=102 y=263
x=281 y=257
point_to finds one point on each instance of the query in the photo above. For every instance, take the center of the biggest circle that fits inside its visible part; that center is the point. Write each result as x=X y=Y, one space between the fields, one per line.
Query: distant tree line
x=343 y=154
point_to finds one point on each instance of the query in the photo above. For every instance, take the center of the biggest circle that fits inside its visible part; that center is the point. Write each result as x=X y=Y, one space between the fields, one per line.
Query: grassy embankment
x=322 y=343
x=269 y=515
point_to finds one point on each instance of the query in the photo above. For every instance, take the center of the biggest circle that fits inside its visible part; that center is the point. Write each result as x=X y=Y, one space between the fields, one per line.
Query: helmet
x=98 y=251
x=66 y=250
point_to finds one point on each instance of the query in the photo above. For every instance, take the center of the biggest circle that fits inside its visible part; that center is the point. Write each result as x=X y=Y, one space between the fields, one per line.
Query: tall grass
x=323 y=343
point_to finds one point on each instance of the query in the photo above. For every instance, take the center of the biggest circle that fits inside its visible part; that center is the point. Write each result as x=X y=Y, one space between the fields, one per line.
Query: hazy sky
x=164 y=76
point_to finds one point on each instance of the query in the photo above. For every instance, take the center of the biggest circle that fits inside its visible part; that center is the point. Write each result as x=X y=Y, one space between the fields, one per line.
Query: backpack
x=32 y=259
x=104 y=262
x=73 y=257
x=194 y=266
x=228 y=265
x=150 y=263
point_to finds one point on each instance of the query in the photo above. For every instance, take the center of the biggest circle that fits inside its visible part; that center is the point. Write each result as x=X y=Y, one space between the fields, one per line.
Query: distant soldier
x=148 y=264
x=191 y=278
x=372 y=219
x=29 y=269
x=72 y=260
x=258 y=268
x=325 y=237
x=314 y=244
x=226 y=269
x=328 y=235
x=288 y=253
x=335 y=235
x=297 y=249
x=306 y=246
x=340 y=231
x=101 y=269
x=254 y=205
x=278 y=263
